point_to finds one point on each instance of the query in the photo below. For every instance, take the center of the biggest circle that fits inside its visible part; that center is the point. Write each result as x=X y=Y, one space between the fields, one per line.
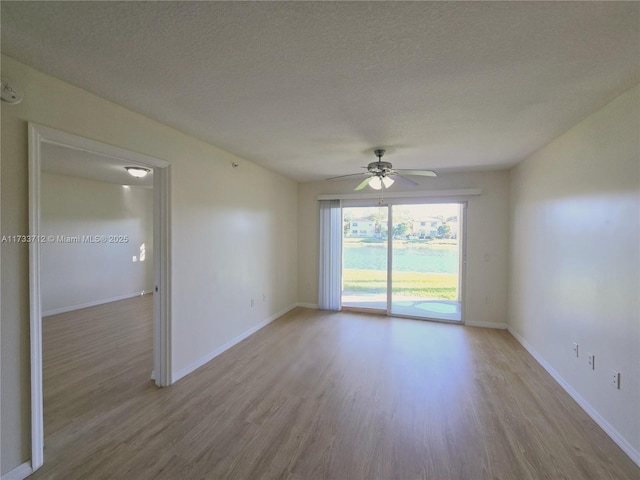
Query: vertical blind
x=330 y=267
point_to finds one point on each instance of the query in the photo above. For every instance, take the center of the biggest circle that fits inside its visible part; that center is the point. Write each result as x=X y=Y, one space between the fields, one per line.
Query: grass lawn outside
x=440 y=286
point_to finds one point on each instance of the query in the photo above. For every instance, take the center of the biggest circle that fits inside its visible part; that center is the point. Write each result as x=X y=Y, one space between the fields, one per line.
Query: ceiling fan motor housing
x=380 y=168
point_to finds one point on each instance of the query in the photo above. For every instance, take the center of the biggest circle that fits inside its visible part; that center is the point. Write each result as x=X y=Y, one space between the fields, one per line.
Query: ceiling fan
x=382 y=174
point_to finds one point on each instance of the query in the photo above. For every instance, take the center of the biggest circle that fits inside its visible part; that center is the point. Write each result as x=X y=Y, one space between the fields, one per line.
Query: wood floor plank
x=314 y=395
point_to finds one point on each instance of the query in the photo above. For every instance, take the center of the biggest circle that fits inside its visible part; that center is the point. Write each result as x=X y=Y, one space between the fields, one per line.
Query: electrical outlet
x=264 y=297
x=575 y=348
x=253 y=302
x=591 y=358
x=615 y=379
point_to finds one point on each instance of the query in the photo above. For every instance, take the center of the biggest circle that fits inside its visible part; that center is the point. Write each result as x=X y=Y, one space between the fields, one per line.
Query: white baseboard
x=94 y=303
x=606 y=426
x=307 y=305
x=210 y=356
x=500 y=326
x=18 y=473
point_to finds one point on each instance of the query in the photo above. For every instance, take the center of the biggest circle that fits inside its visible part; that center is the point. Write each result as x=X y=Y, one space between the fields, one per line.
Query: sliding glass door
x=364 y=257
x=425 y=261
x=404 y=260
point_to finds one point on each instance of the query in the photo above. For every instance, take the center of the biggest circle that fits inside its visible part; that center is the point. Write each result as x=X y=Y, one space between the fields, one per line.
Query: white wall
x=234 y=234
x=74 y=275
x=575 y=259
x=487 y=238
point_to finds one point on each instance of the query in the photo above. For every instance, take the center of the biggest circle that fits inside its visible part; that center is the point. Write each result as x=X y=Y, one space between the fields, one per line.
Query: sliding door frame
x=363 y=203
x=462 y=260
x=462 y=249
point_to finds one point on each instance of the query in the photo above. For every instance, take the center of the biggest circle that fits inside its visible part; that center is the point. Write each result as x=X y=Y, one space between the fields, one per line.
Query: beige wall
x=575 y=259
x=93 y=272
x=234 y=234
x=487 y=238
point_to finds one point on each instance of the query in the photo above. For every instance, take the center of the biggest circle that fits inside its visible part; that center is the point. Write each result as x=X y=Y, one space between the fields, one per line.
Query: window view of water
x=405 y=259
x=425 y=259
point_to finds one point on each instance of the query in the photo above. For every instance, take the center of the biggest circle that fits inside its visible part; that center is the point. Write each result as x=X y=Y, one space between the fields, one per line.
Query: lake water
x=423 y=260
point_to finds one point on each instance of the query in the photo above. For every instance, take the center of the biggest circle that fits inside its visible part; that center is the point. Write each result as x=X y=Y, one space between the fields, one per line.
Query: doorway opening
x=404 y=260
x=40 y=139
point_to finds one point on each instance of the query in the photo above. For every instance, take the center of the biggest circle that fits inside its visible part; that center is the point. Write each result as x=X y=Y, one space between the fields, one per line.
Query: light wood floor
x=314 y=395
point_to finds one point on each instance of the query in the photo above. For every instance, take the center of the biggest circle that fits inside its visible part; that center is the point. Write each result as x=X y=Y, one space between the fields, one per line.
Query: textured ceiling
x=309 y=88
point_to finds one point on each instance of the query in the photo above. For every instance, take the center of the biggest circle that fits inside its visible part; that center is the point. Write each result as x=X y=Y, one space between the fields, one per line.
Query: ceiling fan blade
x=404 y=180
x=423 y=173
x=363 y=184
x=349 y=175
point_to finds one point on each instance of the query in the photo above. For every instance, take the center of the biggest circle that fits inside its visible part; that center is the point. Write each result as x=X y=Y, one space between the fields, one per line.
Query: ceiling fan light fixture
x=387 y=181
x=375 y=183
x=138 y=172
